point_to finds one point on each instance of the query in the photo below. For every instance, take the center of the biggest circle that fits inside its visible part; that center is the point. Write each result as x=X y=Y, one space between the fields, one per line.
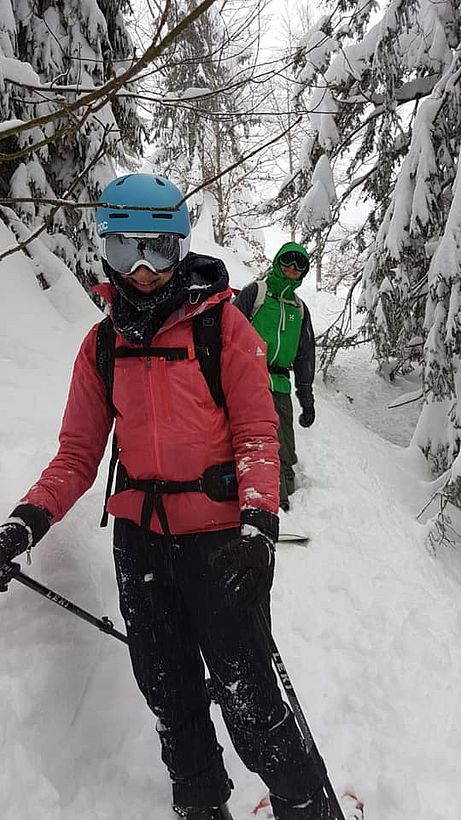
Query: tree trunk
x=318 y=262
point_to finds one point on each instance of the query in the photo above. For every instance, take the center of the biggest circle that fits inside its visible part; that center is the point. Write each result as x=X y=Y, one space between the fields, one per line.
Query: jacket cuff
x=305 y=395
x=265 y=521
x=36 y=519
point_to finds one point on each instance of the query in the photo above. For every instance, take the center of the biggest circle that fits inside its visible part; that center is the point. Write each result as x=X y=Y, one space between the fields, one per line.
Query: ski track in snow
x=367 y=621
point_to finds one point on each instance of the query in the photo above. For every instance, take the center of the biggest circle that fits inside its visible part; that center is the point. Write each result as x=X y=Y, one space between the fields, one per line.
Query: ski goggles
x=158 y=251
x=295 y=259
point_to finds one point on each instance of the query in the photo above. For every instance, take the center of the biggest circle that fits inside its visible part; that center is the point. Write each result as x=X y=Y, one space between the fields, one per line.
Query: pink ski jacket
x=169 y=427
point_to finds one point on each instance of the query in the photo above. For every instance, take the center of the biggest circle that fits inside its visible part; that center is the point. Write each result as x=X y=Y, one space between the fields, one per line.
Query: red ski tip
x=264 y=803
x=353 y=807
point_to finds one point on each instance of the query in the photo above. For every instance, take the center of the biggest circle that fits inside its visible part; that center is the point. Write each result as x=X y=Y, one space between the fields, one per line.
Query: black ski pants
x=175 y=614
x=286 y=435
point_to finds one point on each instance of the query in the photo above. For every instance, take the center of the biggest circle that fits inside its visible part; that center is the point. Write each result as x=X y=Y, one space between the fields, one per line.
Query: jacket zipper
x=151 y=415
x=163 y=388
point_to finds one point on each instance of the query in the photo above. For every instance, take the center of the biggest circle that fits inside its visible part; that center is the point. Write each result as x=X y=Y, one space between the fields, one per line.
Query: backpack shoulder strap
x=260 y=296
x=105 y=355
x=105 y=350
x=206 y=329
x=300 y=304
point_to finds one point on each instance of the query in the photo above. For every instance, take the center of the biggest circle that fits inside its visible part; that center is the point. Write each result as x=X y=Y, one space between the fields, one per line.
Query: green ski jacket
x=284 y=322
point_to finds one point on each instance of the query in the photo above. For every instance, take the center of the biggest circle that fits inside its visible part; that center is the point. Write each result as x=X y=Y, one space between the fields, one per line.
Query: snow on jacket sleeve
x=304 y=364
x=83 y=437
x=252 y=418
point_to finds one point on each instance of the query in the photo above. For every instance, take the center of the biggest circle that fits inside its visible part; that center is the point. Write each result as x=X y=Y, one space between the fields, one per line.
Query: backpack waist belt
x=280 y=371
x=218 y=482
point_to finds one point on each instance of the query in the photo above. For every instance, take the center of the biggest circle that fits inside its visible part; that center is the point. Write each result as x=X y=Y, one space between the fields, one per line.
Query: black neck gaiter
x=138 y=316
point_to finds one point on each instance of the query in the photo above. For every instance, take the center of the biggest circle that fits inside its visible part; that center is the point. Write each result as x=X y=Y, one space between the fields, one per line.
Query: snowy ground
x=367 y=621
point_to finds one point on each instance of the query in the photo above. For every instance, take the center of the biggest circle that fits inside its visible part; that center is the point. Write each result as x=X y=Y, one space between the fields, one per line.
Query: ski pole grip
x=7 y=572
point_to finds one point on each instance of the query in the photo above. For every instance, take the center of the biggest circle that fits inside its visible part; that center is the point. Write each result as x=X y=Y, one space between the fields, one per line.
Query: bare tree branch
x=66 y=203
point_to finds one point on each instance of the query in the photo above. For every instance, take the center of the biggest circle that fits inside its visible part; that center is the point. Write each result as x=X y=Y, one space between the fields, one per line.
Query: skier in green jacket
x=283 y=321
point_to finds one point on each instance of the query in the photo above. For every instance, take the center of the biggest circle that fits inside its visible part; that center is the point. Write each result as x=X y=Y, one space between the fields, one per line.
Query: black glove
x=23 y=529
x=246 y=564
x=307 y=417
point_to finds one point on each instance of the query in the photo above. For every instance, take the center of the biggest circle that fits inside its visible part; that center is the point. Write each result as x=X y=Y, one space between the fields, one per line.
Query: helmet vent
x=162 y=216
x=122 y=180
x=159 y=181
x=118 y=216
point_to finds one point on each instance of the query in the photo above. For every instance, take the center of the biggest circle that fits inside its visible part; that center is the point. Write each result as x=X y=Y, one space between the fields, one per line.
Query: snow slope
x=367 y=621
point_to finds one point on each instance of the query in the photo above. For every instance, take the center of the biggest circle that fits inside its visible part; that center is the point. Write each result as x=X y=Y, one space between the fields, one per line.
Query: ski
x=262 y=809
x=353 y=808
x=293 y=538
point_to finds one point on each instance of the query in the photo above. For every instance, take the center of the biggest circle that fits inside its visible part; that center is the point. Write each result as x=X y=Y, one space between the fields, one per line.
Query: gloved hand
x=25 y=526
x=14 y=539
x=307 y=417
x=246 y=564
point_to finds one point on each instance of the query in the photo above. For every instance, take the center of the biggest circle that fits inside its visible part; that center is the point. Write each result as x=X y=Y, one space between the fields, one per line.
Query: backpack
x=206 y=329
x=261 y=295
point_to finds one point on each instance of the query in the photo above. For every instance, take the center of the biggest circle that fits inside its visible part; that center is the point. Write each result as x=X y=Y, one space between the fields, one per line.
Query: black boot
x=211 y=813
x=321 y=809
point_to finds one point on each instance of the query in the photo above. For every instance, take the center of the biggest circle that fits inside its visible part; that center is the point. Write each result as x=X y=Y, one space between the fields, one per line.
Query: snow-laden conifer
x=49 y=53
x=385 y=97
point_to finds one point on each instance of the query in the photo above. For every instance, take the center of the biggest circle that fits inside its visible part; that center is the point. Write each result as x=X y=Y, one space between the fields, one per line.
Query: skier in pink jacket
x=195 y=503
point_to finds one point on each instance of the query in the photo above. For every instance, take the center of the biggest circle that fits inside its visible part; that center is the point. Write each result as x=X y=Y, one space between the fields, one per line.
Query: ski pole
x=298 y=713
x=104 y=624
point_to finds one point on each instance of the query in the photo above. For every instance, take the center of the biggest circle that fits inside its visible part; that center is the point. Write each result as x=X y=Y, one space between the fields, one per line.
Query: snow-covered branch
x=103 y=94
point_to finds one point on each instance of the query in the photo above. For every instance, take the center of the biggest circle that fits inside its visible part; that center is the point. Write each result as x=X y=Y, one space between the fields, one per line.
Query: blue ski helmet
x=142 y=190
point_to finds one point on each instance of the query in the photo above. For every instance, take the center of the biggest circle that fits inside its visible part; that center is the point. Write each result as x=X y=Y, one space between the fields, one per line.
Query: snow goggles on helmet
x=295 y=259
x=158 y=251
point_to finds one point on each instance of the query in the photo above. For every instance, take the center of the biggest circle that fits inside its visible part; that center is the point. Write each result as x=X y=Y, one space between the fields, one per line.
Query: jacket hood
x=206 y=273
x=277 y=282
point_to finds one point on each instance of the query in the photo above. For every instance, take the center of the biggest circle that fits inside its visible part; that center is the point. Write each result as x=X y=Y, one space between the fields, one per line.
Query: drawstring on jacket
x=281 y=322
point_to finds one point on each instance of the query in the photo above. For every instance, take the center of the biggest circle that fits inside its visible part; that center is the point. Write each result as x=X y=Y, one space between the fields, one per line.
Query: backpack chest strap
x=171 y=354
x=294 y=302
